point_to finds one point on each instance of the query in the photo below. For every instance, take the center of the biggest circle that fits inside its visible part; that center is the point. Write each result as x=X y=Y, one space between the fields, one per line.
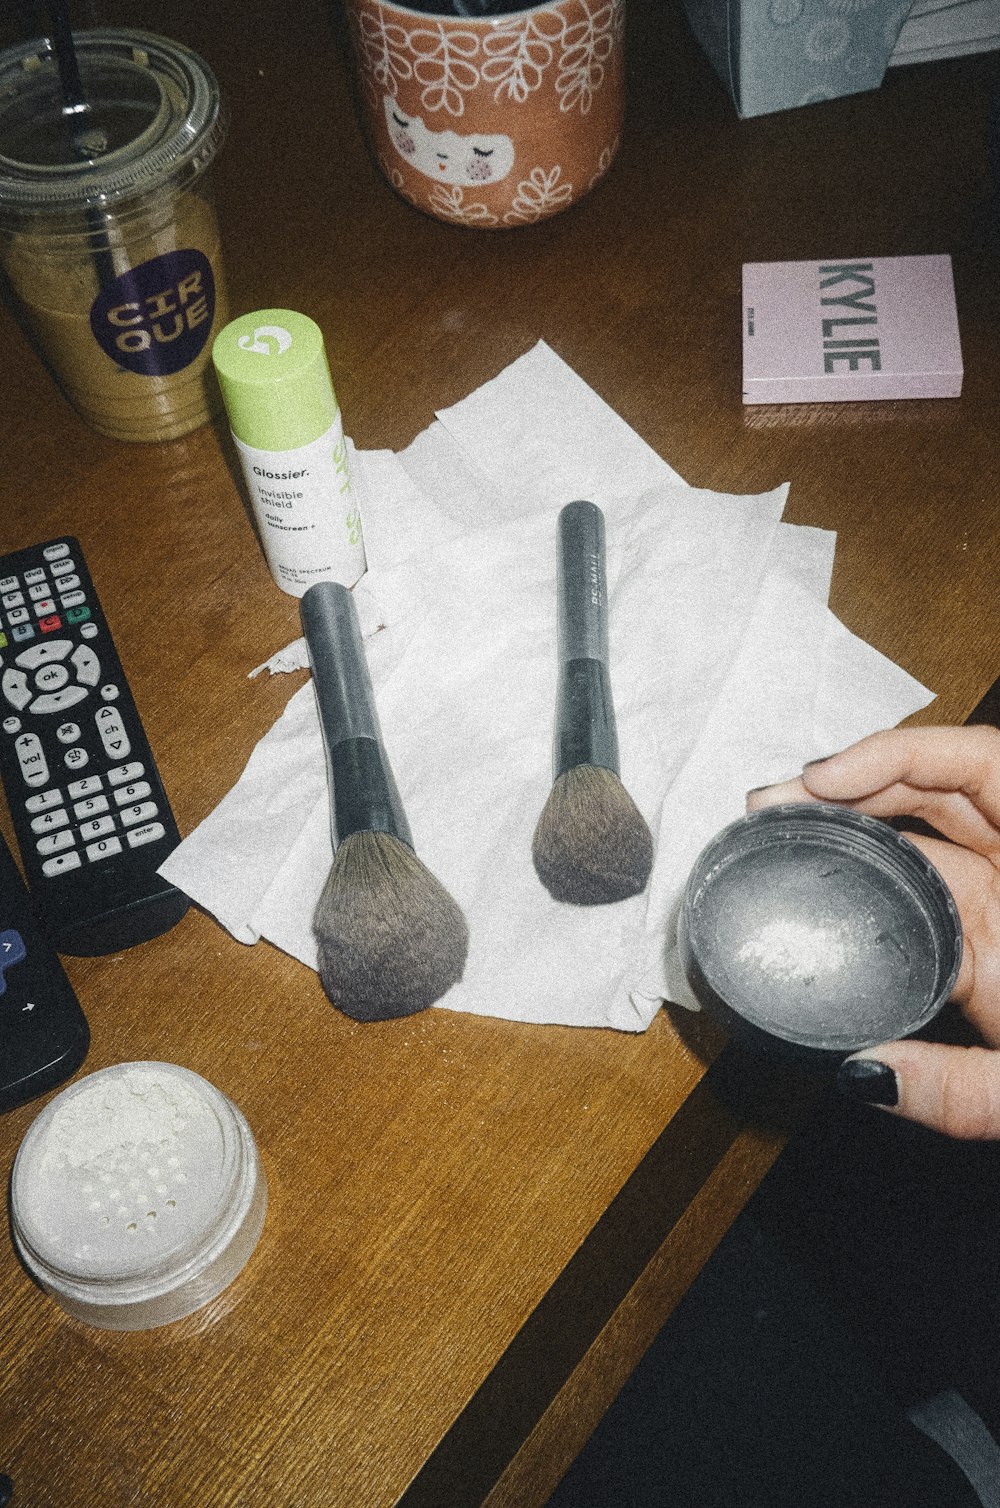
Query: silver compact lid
x=820 y=928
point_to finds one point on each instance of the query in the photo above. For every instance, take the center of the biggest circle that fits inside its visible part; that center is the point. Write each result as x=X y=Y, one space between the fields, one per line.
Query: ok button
x=51 y=677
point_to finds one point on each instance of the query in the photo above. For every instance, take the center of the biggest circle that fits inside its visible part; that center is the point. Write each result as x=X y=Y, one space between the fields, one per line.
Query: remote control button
x=106 y=849
x=58 y=701
x=72 y=599
x=55 y=552
x=91 y=806
x=12 y=725
x=123 y=772
x=137 y=791
x=98 y=828
x=43 y=800
x=76 y=758
x=22 y=632
x=80 y=615
x=51 y=624
x=88 y=666
x=143 y=812
x=62 y=568
x=34 y=575
x=51 y=677
x=66 y=583
x=36 y=593
x=112 y=731
x=55 y=842
x=44 y=607
x=8 y=584
x=3 y=641
x=149 y=833
x=31 y=759
x=12 y=951
x=17 y=615
x=16 y=688
x=12 y=599
x=68 y=733
x=85 y=787
x=110 y=693
x=50 y=820
x=61 y=863
x=44 y=654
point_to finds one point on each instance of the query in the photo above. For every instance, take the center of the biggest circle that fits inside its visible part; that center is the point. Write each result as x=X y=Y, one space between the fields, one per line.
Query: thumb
x=955 y=1090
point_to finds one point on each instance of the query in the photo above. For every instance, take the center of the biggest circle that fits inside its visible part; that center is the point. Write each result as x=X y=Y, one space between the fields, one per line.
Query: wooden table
x=475 y=1226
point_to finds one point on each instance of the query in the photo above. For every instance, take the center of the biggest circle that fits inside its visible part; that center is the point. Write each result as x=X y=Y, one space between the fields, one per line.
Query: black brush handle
x=363 y=794
x=585 y=716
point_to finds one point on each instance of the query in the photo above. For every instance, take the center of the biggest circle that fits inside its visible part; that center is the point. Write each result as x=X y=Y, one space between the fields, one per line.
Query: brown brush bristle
x=391 y=939
x=591 y=844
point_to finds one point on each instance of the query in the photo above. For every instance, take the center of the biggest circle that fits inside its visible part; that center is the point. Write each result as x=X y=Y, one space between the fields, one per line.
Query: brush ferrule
x=585 y=718
x=365 y=798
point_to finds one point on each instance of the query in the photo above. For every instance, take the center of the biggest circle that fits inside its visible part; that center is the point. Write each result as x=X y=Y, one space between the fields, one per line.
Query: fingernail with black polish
x=869 y=1080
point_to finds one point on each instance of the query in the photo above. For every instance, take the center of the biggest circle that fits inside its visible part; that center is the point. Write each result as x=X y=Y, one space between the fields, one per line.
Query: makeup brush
x=391 y=939
x=591 y=844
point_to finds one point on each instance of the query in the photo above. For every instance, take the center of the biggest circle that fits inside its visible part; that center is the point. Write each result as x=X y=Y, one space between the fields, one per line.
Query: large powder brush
x=391 y=939
x=592 y=844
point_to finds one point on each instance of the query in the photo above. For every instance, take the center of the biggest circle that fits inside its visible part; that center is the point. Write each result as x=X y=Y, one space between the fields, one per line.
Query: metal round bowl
x=812 y=931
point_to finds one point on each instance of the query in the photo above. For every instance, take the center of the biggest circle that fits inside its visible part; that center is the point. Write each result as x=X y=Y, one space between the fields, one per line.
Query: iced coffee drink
x=108 y=236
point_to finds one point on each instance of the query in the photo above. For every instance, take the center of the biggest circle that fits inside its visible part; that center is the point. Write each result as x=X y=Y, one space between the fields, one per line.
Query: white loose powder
x=136 y=1195
x=142 y=1110
x=793 y=950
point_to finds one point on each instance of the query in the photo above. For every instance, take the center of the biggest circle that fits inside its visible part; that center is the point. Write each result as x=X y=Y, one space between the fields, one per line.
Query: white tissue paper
x=728 y=671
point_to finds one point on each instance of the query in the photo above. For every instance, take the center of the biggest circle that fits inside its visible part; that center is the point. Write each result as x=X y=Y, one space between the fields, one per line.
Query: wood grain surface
x=475 y=1226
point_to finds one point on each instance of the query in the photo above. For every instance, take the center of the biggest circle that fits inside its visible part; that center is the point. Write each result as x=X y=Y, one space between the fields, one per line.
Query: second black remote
x=43 y=1031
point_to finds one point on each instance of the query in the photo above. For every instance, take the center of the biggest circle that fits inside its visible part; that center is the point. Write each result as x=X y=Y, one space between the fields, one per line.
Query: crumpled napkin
x=728 y=672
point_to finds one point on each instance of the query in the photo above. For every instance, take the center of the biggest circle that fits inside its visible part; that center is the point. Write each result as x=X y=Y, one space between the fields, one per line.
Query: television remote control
x=43 y=1031
x=88 y=806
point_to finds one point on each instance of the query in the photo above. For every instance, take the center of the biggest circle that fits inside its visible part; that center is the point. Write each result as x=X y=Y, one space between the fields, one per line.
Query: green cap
x=275 y=379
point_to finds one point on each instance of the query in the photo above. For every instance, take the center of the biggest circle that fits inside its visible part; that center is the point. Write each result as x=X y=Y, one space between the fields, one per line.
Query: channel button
x=112 y=731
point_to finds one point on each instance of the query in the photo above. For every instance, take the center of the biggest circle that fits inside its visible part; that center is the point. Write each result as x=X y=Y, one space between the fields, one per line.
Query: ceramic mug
x=495 y=121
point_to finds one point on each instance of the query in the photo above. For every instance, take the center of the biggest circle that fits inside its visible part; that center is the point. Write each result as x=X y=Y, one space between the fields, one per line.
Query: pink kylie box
x=845 y=329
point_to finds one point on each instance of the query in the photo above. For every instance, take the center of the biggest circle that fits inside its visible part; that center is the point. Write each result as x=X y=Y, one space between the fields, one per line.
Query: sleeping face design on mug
x=444 y=155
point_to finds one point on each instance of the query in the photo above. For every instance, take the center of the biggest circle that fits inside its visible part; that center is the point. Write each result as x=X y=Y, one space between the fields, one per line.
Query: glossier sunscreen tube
x=287 y=428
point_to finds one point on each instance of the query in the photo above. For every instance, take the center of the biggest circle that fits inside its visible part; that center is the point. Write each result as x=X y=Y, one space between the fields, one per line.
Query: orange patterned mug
x=494 y=121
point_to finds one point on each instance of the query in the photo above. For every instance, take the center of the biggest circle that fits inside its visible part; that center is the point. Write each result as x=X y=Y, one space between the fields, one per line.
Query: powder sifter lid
x=137 y=1195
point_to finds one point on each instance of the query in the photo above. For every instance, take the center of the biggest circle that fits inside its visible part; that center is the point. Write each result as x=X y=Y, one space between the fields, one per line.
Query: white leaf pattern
x=450 y=202
x=382 y=52
x=444 y=66
x=539 y=194
x=517 y=57
x=587 y=45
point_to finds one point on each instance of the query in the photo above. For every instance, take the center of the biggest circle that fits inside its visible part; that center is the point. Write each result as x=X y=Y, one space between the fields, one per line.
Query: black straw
x=74 y=99
x=74 y=107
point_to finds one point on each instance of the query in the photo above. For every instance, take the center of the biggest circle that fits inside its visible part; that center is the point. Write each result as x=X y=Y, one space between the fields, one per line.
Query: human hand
x=950 y=778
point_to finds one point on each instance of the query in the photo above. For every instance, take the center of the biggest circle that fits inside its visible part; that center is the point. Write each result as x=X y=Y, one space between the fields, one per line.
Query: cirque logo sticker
x=156 y=318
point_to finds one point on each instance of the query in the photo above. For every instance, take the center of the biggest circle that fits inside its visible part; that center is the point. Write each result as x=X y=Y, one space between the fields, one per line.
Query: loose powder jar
x=137 y=1195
